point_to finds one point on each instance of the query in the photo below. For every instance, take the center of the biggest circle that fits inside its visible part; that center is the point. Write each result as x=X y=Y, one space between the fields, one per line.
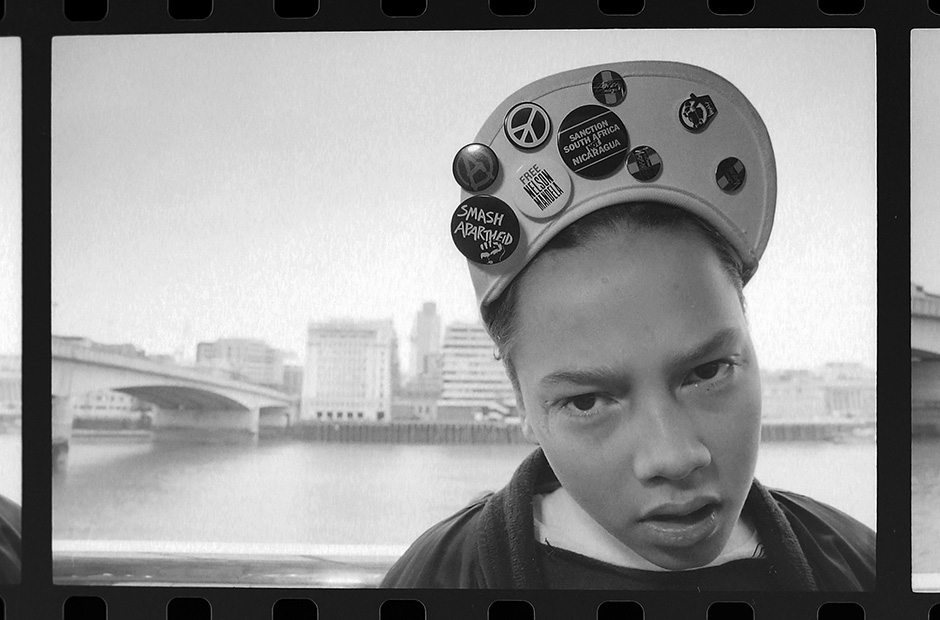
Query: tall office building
x=425 y=340
x=473 y=381
x=348 y=371
x=247 y=359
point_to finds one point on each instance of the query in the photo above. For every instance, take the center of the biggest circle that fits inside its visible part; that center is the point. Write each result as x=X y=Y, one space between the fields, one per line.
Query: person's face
x=638 y=379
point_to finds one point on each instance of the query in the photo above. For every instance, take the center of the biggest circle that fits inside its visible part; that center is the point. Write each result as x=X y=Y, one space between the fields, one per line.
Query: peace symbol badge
x=527 y=125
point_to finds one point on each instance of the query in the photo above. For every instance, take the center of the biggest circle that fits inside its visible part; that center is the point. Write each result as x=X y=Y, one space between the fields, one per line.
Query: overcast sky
x=209 y=186
x=925 y=145
x=11 y=292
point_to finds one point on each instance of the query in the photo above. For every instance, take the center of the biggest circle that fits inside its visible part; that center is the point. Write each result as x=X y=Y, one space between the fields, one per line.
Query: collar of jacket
x=508 y=532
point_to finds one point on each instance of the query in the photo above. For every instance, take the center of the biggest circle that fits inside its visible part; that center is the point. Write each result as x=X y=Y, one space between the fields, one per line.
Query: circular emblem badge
x=527 y=125
x=592 y=141
x=485 y=229
x=644 y=163
x=540 y=188
x=696 y=113
x=475 y=167
x=609 y=88
x=730 y=174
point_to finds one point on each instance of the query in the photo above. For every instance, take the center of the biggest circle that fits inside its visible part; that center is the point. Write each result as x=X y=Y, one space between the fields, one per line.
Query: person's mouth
x=682 y=524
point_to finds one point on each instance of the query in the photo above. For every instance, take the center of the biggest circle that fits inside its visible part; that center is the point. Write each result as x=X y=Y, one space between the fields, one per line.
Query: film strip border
x=35 y=23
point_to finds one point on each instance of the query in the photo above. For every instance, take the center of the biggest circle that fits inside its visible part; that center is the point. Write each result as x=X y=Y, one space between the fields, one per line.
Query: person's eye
x=584 y=405
x=710 y=373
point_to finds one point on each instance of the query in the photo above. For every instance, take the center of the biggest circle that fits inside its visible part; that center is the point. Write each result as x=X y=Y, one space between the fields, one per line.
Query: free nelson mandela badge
x=485 y=229
x=541 y=188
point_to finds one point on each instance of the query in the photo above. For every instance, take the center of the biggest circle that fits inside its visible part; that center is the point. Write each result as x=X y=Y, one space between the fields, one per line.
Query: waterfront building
x=851 y=391
x=836 y=391
x=425 y=340
x=348 y=371
x=108 y=404
x=417 y=399
x=243 y=358
x=792 y=396
x=474 y=384
x=293 y=379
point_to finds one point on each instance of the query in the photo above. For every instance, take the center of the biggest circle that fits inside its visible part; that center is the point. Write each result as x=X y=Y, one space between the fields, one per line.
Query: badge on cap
x=730 y=174
x=485 y=229
x=540 y=188
x=475 y=167
x=696 y=113
x=644 y=163
x=527 y=125
x=592 y=141
x=609 y=88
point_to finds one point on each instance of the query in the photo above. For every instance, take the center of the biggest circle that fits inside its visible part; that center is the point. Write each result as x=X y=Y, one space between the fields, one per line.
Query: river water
x=347 y=494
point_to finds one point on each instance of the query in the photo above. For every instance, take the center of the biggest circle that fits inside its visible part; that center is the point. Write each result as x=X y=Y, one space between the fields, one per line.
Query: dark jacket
x=491 y=543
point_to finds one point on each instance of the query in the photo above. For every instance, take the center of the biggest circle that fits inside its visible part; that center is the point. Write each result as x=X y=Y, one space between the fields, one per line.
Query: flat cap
x=574 y=142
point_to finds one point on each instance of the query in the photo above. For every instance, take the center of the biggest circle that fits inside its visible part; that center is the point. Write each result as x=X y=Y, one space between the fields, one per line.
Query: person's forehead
x=651 y=291
x=668 y=247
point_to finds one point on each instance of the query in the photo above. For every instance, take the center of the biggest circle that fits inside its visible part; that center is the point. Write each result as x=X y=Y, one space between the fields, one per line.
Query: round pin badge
x=485 y=229
x=592 y=141
x=540 y=188
x=609 y=88
x=730 y=174
x=644 y=163
x=696 y=113
x=475 y=167
x=527 y=125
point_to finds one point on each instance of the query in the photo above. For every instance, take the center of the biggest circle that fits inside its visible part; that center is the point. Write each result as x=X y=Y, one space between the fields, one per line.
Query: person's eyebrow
x=603 y=374
x=580 y=376
x=721 y=339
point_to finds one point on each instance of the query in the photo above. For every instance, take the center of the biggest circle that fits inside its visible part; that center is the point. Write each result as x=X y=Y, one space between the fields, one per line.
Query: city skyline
x=191 y=360
x=209 y=186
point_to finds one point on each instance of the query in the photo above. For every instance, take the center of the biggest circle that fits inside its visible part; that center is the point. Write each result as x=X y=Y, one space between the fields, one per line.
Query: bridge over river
x=925 y=361
x=192 y=405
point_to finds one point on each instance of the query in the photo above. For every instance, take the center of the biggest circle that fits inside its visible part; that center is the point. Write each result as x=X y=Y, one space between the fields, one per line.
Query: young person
x=611 y=217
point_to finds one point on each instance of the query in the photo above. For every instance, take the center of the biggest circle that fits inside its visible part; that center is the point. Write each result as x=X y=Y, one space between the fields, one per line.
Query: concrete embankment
x=415 y=432
x=482 y=433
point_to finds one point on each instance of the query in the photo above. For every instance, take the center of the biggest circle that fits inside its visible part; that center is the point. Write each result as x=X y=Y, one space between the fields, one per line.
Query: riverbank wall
x=483 y=433
x=461 y=433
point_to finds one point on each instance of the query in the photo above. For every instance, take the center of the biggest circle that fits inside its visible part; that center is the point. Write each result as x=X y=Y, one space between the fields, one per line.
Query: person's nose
x=668 y=443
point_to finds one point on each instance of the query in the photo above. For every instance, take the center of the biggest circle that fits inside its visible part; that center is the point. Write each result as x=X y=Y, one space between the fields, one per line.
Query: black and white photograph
x=485 y=309
x=925 y=313
x=11 y=299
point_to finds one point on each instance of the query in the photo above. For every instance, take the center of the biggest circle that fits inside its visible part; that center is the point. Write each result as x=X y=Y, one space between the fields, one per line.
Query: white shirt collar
x=561 y=522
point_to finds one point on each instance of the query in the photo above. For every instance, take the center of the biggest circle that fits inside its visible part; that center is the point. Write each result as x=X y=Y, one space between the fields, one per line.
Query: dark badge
x=485 y=229
x=475 y=167
x=592 y=141
x=730 y=174
x=609 y=88
x=696 y=113
x=527 y=125
x=644 y=163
